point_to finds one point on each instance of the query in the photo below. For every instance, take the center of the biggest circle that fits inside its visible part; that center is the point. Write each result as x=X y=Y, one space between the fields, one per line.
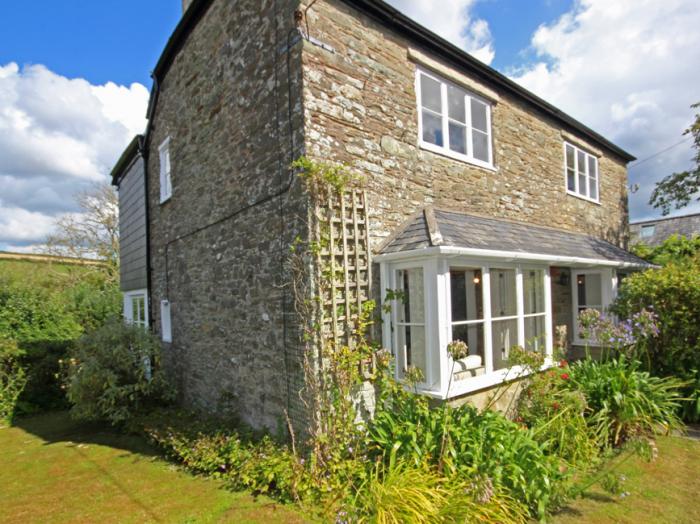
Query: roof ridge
x=663 y=219
x=433 y=226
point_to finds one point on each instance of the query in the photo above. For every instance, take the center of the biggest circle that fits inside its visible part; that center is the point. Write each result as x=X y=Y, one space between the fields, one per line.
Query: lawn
x=56 y=470
x=665 y=490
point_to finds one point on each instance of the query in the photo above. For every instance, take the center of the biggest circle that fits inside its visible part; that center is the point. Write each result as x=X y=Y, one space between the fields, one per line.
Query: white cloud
x=57 y=136
x=629 y=69
x=452 y=20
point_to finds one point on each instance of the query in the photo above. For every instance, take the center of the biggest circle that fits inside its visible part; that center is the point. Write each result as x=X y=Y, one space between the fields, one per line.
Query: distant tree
x=91 y=233
x=678 y=189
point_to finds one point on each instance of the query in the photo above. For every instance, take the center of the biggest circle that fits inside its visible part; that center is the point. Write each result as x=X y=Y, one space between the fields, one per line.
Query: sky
x=75 y=78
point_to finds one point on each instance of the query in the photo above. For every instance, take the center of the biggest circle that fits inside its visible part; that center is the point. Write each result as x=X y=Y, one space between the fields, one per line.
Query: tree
x=93 y=232
x=678 y=189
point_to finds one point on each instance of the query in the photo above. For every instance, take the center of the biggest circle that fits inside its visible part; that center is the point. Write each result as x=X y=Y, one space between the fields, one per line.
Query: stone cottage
x=654 y=232
x=495 y=214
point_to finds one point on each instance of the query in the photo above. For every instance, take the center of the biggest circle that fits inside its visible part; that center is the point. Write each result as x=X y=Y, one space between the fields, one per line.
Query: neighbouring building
x=498 y=216
x=654 y=232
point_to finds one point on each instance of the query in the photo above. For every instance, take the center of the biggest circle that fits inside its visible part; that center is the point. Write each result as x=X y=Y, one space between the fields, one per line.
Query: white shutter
x=165 y=325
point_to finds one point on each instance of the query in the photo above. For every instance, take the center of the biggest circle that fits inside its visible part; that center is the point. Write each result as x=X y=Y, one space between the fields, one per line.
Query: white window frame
x=647 y=231
x=128 y=310
x=590 y=158
x=166 y=185
x=438 y=321
x=166 y=330
x=608 y=283
x=445 y=148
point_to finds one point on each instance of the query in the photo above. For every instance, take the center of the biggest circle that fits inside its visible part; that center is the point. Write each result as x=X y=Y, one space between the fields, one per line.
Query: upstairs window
x=647 y=231
x=166 y=186
x=581 y=173
x=453 y=121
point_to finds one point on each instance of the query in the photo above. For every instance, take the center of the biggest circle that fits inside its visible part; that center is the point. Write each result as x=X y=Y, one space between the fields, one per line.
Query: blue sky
x=99 y=40
x=75 y=76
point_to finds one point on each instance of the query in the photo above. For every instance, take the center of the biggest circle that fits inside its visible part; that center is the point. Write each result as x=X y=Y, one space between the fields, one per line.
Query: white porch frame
x=436 y=263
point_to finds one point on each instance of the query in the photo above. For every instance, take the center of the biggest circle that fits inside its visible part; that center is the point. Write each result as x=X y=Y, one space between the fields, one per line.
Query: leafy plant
x=114 y=373
x=623 y=401
x=398 y=493
x=674 y=293
x=478 y=445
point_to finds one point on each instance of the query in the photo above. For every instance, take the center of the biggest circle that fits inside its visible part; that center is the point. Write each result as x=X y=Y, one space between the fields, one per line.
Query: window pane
x=589 y=291
x=458 y=138
x=570 y=164
x=412 y=345
x=430 y=93
x=411 y=282
x=503 y=297
x=455 y=104
x=592 y=177
x=582 y=179
x=571 y=180
x=534 y=333
x=466 y=295
x=479 y=115
x=582 y=184
x=480 y=144
x=134 y=309
x=473 y=335
x=504 y=336
x=533 y=291
x=432 y=129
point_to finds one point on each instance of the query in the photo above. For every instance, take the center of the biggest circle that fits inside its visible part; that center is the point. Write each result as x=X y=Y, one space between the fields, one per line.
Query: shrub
x=674 y=293
x=672 y=249
x=624 y=401
x=478 y=445
x=114 y=373
x=557 y=417
x=12 y=379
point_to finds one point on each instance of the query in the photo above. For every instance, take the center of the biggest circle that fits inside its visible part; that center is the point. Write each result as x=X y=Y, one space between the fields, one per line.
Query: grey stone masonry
x=654 y=232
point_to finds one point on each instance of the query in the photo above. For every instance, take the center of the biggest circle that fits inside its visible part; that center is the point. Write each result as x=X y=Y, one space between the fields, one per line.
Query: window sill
x=165 y=200
x=474 y=384
x=574 y=194
x=427 y=146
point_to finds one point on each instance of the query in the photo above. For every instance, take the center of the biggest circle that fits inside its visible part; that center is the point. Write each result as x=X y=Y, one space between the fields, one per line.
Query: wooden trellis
x=345 y=260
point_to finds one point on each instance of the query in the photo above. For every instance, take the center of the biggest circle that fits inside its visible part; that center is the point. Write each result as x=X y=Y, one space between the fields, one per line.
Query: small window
x=648 y=231
x=166 y=187
x=453 y=121
x=581 y=173
x=466 y=290
x=136 y=308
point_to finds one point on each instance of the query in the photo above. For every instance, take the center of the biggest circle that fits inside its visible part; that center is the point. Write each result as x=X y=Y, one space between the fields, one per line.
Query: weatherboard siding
x=132 y=228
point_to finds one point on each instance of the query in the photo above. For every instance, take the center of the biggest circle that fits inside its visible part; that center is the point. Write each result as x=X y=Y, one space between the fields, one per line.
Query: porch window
x=410 y=322
x=492 y=309
x=592 y=289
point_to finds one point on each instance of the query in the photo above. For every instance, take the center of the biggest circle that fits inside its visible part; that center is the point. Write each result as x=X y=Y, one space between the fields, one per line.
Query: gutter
x=507 y=255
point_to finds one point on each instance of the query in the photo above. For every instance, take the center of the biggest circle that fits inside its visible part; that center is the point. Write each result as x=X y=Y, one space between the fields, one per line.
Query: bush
x=114 y=373
x=674 y=293
x=557 y=417
x=484 y=446
x=623 y=401
x=12 y=379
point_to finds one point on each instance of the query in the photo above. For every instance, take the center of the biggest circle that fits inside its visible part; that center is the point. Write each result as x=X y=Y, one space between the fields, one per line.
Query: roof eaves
x=126 y=159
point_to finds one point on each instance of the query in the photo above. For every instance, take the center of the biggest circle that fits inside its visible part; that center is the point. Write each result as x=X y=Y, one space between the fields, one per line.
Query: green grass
x=53 y=469
x=665 y=490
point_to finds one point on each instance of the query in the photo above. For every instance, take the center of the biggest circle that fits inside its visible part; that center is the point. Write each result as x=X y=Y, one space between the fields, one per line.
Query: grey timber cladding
x=687 y=226
x=132 y=228
x=469 y=231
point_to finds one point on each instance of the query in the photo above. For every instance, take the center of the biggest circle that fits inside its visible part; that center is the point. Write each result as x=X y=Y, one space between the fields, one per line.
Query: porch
x=492 y=284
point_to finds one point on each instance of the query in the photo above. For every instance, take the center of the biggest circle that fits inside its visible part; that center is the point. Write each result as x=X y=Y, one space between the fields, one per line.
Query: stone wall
x=218 y=246
x=360 y=106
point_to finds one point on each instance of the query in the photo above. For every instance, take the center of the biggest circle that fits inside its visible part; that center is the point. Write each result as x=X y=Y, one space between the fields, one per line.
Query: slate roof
x=432 y=228
x=687 y=226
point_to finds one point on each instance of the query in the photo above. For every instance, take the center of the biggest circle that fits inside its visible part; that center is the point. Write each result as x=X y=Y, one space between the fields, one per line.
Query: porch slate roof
x=435 y=227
